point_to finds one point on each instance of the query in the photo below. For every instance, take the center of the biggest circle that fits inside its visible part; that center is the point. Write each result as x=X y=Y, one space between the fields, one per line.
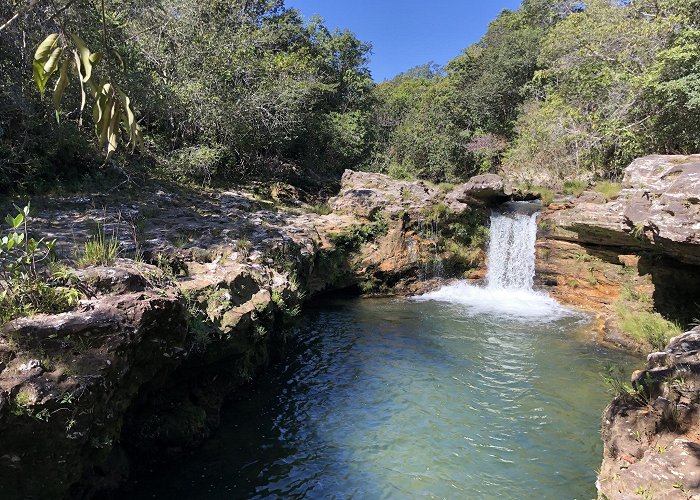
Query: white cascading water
x=511 y=257
x=511 y=270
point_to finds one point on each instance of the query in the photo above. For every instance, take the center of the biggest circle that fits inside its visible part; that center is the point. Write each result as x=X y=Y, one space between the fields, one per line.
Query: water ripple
x=387 y=399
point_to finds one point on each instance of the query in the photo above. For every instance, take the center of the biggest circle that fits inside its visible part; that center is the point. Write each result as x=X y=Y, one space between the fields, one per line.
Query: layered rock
x=651 y=430
x=366 y=194
x=644 y=243
x=490 y=190
x=658 y=208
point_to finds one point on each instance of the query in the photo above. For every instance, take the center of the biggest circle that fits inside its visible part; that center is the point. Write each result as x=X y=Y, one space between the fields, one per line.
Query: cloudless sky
x=407 y=33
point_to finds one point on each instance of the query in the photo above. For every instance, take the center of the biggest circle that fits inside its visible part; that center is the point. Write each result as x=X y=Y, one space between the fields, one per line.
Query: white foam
x=514 y=304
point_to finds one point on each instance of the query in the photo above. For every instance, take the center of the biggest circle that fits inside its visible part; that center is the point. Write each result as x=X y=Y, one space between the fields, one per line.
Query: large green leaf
x=61 y=84
x=52 y=63
x=83 y=97
x=40 y=76
x=46 y=47
x=113 y=131
x=84 y=54
x=103 y=126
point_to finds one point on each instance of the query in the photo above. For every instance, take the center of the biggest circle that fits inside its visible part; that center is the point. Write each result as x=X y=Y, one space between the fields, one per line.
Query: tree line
x=555 y=90
x=230 y=90
x=222 y=90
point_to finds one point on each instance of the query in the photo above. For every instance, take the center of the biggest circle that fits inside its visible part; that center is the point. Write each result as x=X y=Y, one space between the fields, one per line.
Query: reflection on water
x=410 y=399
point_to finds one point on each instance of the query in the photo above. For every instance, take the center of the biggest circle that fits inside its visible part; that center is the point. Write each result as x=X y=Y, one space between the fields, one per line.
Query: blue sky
x=406 y=33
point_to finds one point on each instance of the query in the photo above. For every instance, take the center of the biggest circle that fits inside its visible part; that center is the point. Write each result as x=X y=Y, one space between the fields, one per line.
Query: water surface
x=434 y=398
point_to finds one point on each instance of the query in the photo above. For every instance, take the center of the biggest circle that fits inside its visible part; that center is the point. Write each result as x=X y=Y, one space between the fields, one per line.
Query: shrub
x=355 y=235
x=25 y=287
x=435 y=212
x=200 y=163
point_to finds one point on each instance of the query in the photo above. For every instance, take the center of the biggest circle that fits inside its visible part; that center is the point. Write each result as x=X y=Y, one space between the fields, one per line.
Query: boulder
x=489 y=189
x=365 y=194
x=658 y=207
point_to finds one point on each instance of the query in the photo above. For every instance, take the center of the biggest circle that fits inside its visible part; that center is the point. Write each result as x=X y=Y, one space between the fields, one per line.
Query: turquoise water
x=406 y=399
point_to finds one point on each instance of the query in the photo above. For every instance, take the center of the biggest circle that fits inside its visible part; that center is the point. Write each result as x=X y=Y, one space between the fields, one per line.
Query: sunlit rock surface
x=652 y=436
x=658 y=209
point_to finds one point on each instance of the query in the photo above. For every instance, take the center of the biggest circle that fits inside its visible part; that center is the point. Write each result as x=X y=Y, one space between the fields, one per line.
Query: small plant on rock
x=575 y=187
x=647 y=326
x=99 y=250
x=25 y=287
x=609 y=190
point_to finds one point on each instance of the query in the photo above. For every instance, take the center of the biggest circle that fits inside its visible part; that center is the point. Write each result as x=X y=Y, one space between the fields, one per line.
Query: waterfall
x=508 y=292
x=511 y=253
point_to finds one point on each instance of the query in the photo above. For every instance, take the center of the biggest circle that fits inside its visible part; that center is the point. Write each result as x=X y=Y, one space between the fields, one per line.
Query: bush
x=25 y=287
x=575 y=187
x=199 y=163
x=355 y=235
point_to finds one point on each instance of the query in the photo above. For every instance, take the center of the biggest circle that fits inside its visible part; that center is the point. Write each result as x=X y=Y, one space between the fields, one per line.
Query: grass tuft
x=575 y=187
x=99 y=250
x=609 y=190
x=645 y=326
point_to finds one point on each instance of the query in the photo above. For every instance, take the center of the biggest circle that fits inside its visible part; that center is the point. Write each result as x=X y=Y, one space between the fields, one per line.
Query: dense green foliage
x=223 y=90
x=554 y=90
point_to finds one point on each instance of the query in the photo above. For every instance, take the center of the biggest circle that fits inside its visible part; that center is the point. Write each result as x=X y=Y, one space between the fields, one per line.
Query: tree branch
x=20 y=13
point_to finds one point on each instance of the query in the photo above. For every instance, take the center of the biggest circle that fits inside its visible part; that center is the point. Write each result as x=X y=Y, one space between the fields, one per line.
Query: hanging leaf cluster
x=112 y=112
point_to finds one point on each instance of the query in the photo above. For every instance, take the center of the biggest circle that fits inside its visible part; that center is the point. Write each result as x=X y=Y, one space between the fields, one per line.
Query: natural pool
x=399 y=398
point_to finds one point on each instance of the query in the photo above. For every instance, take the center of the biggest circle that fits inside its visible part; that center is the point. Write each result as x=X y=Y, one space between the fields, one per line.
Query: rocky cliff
x=651 y=430
x=198 y=303
x=143 y=365
x=636 y=251
x=634 y=255
x=658 y=209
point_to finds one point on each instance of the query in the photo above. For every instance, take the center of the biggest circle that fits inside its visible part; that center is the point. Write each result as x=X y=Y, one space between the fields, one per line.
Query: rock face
x=69 y=405
x=366 y=194
x=652 y=432
x=658 y=208
x=644 y=245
